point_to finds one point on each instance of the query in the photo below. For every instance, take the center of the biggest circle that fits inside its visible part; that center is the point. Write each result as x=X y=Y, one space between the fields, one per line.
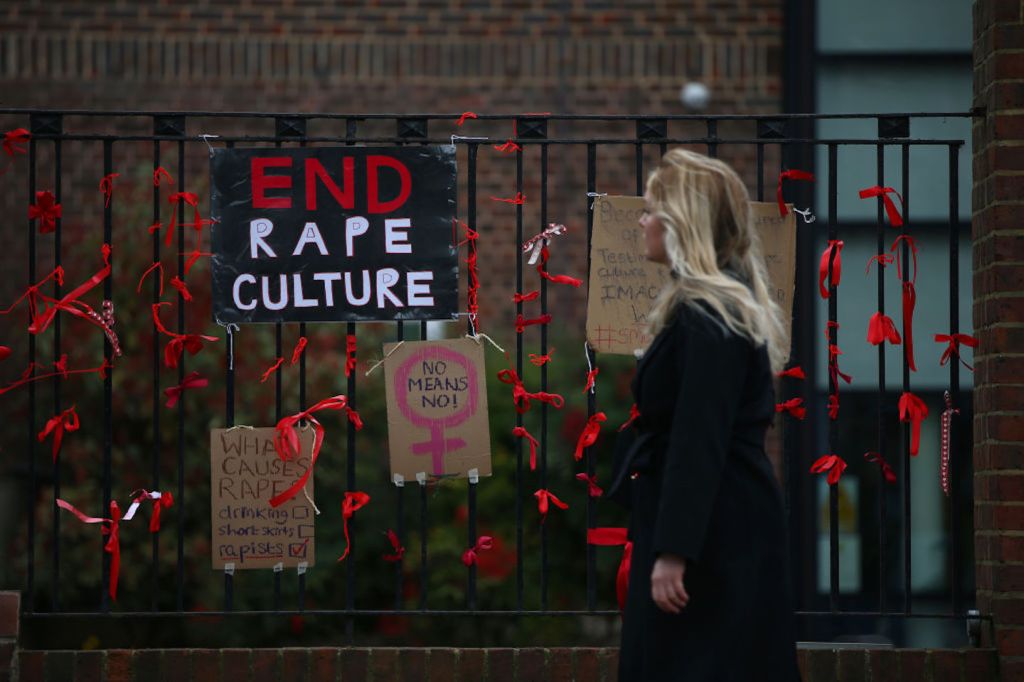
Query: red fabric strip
x=524 y=298
x=520 y=432
x=557 y=279
x=521 y=398
x=466 y=115
x=350 y=354
x=793 y=373
x=591 y=379
x=300 y=347
x=887 y=472
x=833 y=464
x=793 y=406
x=58 y=424
x=593 y=489
x=881 y=328
x=955 y=341
x=834 y=247
x=895 y=219
x=518 y=199
x=110 y=527
x=157 y=265
x=179 y=285
x=353 y=502
x=541 y=360
x=546 y=498
x=523 y=322
x=161 y=173
x=913 y=410
x=793 y=174
x=46 y=210
x=107 y=187
x=634 y=414
x=193 y=380
x=470 y=556
x=397 y=551
x=14 y=139
x=589 y=435
x=270 y=370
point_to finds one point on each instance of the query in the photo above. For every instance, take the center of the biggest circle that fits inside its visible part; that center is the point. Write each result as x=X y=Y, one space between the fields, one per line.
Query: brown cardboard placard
x=778 y=242
x=623 y=284
x=245 y=472
x=437 y=408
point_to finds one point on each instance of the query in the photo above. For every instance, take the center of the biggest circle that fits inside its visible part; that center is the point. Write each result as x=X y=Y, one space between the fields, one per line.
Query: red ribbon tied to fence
x=46 y=210
x=909 y=296
x=300 y=346
x=521 y=397
x=556 y=279
x=160 y=500
x=353 y=502
x=895 y=219
x=397 y=551
x=350 y=354
x=913 y=410
x=70 y=303
x=833 y=464
x=634 y=414
x=193 y=343
x=793 y=373
x=470 y=556
x=833 y=406
x=192 y=200
x=833 y=252
x=520 y=432
x=541 y=360
x=881 y=328
x=589 y=434
x=527 y=297
x=179 y=286
x=57 y=425
x=160 y=173
x=107 y=187
x=544 y=499
x=523 y=322
x=591 y=379
x=593 y=489
x=955 y=341
x=792 y=174
x=193 y=380
x=13 y=139
x=613 y=537
x=793 y=407
x=887 y=472
x=466 y=115
x=110 y=528
x=286 y=440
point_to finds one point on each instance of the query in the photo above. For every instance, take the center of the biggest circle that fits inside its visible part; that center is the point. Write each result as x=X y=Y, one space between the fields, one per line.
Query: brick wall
x=998 y=236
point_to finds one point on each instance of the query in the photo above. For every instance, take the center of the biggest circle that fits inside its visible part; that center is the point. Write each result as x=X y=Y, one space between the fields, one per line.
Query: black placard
x=333 y=234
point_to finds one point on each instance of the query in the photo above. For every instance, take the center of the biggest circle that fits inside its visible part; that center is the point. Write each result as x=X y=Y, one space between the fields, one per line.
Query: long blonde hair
x=704 y=208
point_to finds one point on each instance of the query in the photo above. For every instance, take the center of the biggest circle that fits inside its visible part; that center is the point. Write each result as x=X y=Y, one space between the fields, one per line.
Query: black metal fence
x=760 y=145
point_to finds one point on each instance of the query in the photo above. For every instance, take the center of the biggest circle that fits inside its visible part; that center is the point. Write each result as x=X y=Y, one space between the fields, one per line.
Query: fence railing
x=760 y=146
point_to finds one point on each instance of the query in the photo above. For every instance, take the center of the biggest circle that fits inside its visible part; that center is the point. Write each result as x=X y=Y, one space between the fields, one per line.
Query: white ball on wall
x=695 y=95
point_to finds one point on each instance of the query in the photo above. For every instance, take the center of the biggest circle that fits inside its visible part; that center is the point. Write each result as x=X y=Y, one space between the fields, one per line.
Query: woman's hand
x=667 y=587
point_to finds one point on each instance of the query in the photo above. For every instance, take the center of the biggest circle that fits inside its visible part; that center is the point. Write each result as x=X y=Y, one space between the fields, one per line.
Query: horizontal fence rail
x=106 y=141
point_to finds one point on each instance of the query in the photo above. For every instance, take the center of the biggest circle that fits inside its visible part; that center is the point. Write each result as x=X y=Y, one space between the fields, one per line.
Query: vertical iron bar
x=591 y=555
x=57 y=406
x=31 y=449
x=882 y=491
x=639 y=153
x=833 y=335
x=907 y=565
x=712 y=136
x=179 y=501
x=543 y=380
x=473 y=325
x=108 y=352
x=954 y=373
x=760 y=171
x=520 y=578
x=155 y=357
x=229 y=580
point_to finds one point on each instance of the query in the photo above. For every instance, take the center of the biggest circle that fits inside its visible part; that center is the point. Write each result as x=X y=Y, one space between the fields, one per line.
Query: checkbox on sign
x=297 y=550
x=305 y=530
x=300 y=512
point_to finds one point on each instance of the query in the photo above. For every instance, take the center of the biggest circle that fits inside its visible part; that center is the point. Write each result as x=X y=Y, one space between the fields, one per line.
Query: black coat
x=701 y=487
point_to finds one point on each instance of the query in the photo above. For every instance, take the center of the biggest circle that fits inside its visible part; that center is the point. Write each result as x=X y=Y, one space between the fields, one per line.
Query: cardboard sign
x=623 y=284
x=245 y=472
x=437 y=408
x=778 y=242
x=333 y=234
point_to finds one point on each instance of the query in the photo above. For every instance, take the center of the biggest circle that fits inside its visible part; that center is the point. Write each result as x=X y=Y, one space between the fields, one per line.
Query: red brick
x=822 y=664
x=295 y=664
x=1005 y=10
x=324 y=665
x=586 y=664
x=996 y=456
x=89 y=666
x=851 y=665
x=1010 y=641
x=384 y=663
x=980 y=665
x=531 y=664
x=1008 y=127
x=206 y=665
x=500 y=665
x=472 y=665
x=883 y=665
x=610 y=663
x=446 y=664
x=175 y=664
x=413 y=665
x=1001 y=339
x=119 y=665
x=266 y=665
x=560 y=665
x=1011 y=669
x=913 y=664
x=354 y=663
x=147 y=664
x=946 y=665
x=1004 y=427
x=236 y=664
x=801 y=662
x=30 y=666
x=10 y=614
x=999 y=369
x=1006 y=487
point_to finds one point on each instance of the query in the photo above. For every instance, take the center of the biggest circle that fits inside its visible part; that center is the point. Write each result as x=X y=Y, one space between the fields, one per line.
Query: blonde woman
x=708 y=591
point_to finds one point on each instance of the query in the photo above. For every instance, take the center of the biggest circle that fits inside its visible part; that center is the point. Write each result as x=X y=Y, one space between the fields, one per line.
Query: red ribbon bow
x=590 y=432
x=881 y=328
x=913 y=410
x=521 y=397
x=523 y=322
x=469 y=557
x=193 y=380
x=557 y=279
x=895 y=219
x=58 y=424
x=835 y=246
x=526 y=298
x=397 y=551
x=793 y=373
x=545 y=497
x=541 y=360
x=46 y=210
x=634 y=414
x=179 y=285
x=107 y=187
x=593 y=489
x=13 y=139
x=111 y=529
x=350 y=354
x=300 y=346
x=353 y=502
x=160 y=500
x=793 y=174
x=270 y=370
x=70 y=303
x=887 y=472
x=465 y=115
x=793 y=407
x=613 y=537
x=833 y=464
x=509 y=147
x=833 y=406
x=591 y=379
x=179 y=343
x=286 y=440
x=520 y=432
x=954 y=341
x=192 y=200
